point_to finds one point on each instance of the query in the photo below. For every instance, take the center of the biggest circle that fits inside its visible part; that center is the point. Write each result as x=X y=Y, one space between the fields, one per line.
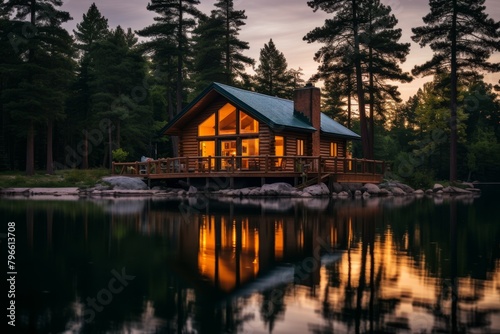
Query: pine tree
x=119 y=69
x=462 y=37
x=361 y=38
x=92 y=29
x=44 y=72
x=208 y=63
x=169 y=43
x=234 y=59
x=341 y=34
x=272 y=76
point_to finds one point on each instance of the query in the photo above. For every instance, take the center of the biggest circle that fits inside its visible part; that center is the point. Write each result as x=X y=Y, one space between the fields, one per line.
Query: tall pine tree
x=462 y=37
x=169 y=43
x=272 y=76
x=46 y=67
x=233 y=48
x=91 y=30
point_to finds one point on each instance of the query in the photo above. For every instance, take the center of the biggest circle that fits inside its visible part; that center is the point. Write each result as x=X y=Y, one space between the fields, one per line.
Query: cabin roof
x=278 y=113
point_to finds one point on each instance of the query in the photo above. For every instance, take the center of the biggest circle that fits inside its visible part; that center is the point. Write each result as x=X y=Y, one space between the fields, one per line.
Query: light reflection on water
x=393 y=265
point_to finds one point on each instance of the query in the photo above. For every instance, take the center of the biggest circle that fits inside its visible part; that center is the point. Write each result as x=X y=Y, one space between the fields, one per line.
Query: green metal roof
x=274 y=111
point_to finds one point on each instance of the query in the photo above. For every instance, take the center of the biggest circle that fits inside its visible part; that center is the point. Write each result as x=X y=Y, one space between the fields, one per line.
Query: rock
x=306 y=194
x=366 y=195
x=343 y=194
x=317 y=190
x=429 y=191
x=277 y=188
x=352 y=187
x=125 y=183
x=181 y=193
x=455 y=190
x=419 y=192
x=245 y=191
x=334 y=195
x=396 y=191
x=437 y=187
x=383 y=192
x=357 y=193
x=337 y=187
x=192 y=191
x=372 y=189
x=406 y=188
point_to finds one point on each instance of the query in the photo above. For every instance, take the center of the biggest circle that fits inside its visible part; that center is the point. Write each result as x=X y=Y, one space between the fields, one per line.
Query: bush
x=119 y=155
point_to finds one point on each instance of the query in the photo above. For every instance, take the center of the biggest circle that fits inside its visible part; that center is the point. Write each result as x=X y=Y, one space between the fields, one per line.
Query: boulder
x=357 y=193
x=278 y=188
x=343 y=194
x=192 y=191
x=317 y=190
x=336 y=187
x=384 y=192
x=372 y=189
x=437 y=187
x=455 y=190
x=396 y=191
x=419 y=192
x=125 y=183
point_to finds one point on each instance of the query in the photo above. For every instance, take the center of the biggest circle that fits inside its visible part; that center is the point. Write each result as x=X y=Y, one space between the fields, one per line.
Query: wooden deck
x=303 y=169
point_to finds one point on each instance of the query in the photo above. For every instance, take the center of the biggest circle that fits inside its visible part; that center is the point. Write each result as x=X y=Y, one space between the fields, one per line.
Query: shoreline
x=276 y=190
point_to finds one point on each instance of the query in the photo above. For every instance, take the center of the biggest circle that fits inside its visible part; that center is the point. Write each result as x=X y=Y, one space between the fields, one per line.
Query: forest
x=83 y=98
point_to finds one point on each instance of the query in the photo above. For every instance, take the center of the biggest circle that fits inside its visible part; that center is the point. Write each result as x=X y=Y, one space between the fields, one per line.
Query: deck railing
x=249 y=164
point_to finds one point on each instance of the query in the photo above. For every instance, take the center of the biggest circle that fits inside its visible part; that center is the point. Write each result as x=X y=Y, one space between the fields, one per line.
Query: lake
x=389 y=265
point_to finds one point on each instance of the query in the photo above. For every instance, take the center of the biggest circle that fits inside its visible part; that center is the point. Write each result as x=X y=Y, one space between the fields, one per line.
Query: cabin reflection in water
x=230 y=245
x=394 y=265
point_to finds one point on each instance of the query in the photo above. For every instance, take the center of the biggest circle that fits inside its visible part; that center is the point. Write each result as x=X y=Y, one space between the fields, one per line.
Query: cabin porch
x=304 y=170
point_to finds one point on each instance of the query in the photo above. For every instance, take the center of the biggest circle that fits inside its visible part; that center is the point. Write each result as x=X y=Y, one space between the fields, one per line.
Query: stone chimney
x=307 y=103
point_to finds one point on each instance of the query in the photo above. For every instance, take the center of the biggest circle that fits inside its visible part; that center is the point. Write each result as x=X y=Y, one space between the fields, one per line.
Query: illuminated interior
x=279 y=146
x=333 y=149
x=227 y=120
x=207 y=128
x=300 y=147
x=248 y=124
x=233 y=133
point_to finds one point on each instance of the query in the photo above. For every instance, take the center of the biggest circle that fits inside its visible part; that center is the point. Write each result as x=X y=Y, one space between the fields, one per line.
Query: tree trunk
x=110 y=146
x=228 y=47
x=179 y=62
x=30 y=150
x=453 y=106
x=365 y=138
x=85 y=153
x=371 y=129
x=50 y=157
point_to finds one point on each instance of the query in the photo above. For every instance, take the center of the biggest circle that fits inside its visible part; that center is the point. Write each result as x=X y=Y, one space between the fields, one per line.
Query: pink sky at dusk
x=286 y=22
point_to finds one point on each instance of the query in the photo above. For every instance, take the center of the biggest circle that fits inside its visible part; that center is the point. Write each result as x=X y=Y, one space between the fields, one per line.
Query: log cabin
x=239 y=133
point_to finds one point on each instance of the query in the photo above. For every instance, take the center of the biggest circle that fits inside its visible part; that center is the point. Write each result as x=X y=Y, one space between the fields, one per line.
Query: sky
x=286 y=22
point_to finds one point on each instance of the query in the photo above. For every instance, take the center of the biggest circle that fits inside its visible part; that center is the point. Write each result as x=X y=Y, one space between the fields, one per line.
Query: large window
x=248 y=124
x=207 y=128
x=228 y=121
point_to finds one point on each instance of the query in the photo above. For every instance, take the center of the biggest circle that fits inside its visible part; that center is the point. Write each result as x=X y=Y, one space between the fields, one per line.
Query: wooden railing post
x=319 y=168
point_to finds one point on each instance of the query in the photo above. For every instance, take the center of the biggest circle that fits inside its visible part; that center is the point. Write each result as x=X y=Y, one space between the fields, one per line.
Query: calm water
x=257 y=266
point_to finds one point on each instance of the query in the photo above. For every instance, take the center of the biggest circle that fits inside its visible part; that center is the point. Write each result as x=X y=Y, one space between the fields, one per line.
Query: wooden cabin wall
x=266 y=140
x=341 y=152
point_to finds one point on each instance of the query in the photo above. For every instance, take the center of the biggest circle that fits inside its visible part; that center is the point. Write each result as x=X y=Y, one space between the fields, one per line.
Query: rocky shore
x=119 y=186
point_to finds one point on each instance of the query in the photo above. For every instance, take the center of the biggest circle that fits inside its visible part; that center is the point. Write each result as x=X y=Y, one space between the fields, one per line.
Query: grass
x=62 y=178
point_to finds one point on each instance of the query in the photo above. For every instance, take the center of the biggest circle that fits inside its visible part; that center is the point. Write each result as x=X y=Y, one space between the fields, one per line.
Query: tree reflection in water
x=243 y=265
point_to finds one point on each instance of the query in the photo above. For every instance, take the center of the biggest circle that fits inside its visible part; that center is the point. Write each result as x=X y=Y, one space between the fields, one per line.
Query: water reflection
x=236 y=265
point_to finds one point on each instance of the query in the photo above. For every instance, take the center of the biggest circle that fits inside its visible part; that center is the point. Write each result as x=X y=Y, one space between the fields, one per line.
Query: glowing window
x=333 y=149
x=207 y=128
x=248 y=124
x=300 y=147
x=227 y=120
